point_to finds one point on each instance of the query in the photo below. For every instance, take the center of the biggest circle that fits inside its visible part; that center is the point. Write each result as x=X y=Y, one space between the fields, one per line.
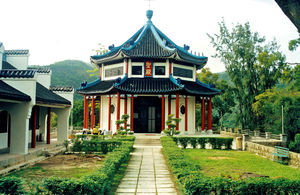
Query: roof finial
x=149 y=14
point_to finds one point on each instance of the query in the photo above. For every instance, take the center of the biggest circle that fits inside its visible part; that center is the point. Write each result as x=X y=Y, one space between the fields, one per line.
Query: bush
x=89 y=146
x=192 y=182
x=216 y=142
x=11 y=185
x=96 y=183
x=295 y=146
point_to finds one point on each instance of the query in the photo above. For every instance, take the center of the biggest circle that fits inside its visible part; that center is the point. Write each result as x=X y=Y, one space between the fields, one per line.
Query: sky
x=55 y=30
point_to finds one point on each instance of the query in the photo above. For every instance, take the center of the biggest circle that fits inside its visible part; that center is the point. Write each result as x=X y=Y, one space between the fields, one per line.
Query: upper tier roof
x=149 y=42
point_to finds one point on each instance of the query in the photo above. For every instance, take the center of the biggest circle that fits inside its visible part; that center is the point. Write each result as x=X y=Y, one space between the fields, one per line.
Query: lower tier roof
x=148 y=86
x=10 y=93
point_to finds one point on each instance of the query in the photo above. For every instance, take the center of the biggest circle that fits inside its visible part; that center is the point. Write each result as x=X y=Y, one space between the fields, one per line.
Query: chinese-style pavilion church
x=148 y=77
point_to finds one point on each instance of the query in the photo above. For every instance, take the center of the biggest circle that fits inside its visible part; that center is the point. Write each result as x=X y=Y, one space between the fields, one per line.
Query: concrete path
x=147 y=172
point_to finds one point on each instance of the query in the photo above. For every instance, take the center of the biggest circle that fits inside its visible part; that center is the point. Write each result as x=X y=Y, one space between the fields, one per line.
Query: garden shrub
x=216 y=142
x=193 y=182
x=11 y=185
x=295 y=146
x=89 y=146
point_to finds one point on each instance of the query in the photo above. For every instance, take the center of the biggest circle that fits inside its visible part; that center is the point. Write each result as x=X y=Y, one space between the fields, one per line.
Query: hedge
x=216 y=142
x=192 y=182
x=11 y=185
x=98 y=182
x=89 y=146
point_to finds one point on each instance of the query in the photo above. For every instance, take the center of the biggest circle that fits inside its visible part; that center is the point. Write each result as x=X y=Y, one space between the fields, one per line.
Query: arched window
x=4 y=121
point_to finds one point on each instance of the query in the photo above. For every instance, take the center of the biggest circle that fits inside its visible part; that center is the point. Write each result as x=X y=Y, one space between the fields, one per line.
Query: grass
x=232 y=164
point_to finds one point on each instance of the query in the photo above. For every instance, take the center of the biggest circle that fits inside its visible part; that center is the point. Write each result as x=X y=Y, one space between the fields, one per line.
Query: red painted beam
x=162 y=113
x=132 y=113
x=33 y=134
x=125 y=109
x=170 y=68
x=186 y=113
x=209 y=115
x=48 y=125
x=203 y=114
x=118 y=108
x=93 y=112
x=126 y=70
x=177 y=110
x=109 y=112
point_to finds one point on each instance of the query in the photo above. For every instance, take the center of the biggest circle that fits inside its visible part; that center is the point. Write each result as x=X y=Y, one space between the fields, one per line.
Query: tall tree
x=252 y=65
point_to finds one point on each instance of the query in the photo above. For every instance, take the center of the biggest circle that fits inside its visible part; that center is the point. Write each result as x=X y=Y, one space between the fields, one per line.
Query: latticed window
x=118 y=71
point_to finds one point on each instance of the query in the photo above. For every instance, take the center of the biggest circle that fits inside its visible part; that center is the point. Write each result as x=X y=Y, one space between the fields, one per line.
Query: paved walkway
x=147 y=172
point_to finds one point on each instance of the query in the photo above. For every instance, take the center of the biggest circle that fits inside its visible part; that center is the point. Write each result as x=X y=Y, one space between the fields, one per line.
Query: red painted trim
x=162 y=113
x=87 y=113
x=100 y=69
x=48 y=126
x=186 y=113
x=125 y=109
x=177 y=110
x=9 y=129
x=170 y=68
x=84 y=111
x=99 y=111
x=118 y=108
x=209 y=117
x=93 y=112
x=131 y=113
x=109 y=112
x=203 y=114
x=33 y=133
x=126 y=70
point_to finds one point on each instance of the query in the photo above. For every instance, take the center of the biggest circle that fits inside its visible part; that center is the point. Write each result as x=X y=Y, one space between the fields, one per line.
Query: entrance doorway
x=147 y=114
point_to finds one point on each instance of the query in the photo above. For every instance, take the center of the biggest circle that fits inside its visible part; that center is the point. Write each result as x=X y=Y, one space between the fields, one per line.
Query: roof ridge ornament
x=149 y=14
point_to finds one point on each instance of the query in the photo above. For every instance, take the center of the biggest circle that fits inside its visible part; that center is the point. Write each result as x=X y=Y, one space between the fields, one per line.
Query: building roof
x=10 y=93
x=40 y=70
x=148 y=85
x=17 y=52
x=150 y=42
x=62 y=89
x=45 y=96
x=6 y=65
x=14 y=73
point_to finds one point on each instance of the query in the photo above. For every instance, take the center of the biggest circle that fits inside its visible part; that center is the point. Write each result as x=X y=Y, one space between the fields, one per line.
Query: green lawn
x=228 y=163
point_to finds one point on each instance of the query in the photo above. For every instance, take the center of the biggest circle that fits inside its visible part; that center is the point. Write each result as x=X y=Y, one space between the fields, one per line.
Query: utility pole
x=282 y=123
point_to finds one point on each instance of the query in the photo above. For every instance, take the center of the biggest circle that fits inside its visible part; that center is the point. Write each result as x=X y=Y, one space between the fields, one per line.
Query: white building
x=148 y=77
x=26 y=103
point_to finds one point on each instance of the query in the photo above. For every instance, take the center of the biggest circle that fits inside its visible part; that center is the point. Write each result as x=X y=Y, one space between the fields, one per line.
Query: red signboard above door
x=148 y=68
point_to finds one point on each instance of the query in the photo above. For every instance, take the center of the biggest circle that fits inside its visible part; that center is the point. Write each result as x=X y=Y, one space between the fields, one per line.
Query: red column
x=93 y=112
x=170 y=68
x=100 y=69
x=169 y=106
x=118 y=108
x=203 y=114
x=33 y=135
x=209 y=116
x=109 y=112
x=86 y=106
x=186 y=113
x=131 y=114
x=99 y=112
x=177 y=110
x=48 y=125
x=162 y=112
x=84 y=112
x=125 y=109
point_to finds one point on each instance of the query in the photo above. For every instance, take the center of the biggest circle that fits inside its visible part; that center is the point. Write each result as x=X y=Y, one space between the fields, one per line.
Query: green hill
x=70 y=73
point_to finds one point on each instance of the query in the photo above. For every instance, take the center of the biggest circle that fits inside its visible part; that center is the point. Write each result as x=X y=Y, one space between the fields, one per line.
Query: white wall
x=67 y=95
x=1 y=55
x=18 y=61
x=44 y=79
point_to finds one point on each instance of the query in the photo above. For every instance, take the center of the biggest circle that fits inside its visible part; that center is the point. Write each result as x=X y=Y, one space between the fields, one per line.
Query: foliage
x=77 y=113
x=268 y=108
x=191 y=180
x=100 y=51
x=96 y=183
x=123 y=126
x=252 y=65
x=293 y=44
x=295 y=145
x=11 y=185
x=216 y=142
x=172 y=122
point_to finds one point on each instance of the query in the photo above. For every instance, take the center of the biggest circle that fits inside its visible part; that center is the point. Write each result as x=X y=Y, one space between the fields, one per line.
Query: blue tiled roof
x=11 y=73
x=62 y=89
x=6 y=65
x=17 y=52
x=148 y=86
x=150 y=42
x=10 y=93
